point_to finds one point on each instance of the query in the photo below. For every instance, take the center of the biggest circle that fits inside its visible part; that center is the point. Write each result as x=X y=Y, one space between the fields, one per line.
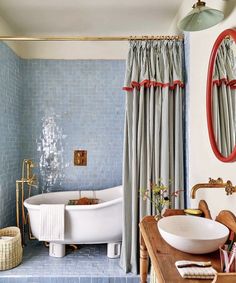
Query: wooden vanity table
x=163 y=256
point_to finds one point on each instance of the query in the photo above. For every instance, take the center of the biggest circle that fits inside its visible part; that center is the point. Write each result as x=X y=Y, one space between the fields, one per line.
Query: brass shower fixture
x=29 y=179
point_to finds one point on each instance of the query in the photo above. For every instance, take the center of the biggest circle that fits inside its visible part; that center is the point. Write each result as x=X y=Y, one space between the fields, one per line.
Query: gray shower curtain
x=153 y=143
x=223 y=98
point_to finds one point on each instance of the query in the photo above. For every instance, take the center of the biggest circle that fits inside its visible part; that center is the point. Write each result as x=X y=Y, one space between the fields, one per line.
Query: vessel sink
x=192 y=234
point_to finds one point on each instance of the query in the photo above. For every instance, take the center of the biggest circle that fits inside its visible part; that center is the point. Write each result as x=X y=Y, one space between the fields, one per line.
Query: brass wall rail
x=90 y=38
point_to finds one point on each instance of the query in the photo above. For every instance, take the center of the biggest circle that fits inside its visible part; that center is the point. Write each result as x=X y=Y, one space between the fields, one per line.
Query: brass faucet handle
x=33 y=181
x=33 y=165
x=229 y=188
x=217 y=181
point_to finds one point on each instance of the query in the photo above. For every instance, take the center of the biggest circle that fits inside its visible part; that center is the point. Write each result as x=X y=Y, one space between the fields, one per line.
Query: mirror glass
x=222 y=95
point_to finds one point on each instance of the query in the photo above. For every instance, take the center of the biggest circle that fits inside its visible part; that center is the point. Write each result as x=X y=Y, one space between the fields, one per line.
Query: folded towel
x=195 y=269
x=52 y=222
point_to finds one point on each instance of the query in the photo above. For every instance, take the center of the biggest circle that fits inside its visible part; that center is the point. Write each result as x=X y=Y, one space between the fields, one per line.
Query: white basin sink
x=191 y=234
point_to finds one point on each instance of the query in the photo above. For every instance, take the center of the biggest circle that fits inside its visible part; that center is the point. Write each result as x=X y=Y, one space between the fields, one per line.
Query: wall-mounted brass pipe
x=214 y=184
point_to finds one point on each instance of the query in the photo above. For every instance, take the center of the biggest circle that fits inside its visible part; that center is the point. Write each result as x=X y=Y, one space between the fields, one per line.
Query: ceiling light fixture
x=201 y=17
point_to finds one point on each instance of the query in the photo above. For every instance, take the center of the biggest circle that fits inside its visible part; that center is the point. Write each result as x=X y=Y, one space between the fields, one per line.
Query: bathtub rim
x=77 y=207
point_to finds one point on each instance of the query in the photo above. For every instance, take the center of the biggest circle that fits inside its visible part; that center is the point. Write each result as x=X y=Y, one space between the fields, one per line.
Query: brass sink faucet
x=219 y=183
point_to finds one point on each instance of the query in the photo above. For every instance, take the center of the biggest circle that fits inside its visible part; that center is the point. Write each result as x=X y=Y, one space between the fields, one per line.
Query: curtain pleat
x=153 y=142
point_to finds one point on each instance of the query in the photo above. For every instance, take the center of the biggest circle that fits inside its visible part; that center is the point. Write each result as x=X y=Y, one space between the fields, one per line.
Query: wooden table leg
x=143 y=261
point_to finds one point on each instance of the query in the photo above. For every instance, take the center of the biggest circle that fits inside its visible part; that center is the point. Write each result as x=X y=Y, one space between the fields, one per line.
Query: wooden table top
x=163 y=256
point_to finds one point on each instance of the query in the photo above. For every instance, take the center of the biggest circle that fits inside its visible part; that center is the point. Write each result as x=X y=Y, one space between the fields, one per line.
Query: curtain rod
x=90 y=38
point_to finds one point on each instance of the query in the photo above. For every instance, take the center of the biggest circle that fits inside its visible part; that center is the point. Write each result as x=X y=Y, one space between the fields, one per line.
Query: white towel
x=195 y=272
x=52 y=222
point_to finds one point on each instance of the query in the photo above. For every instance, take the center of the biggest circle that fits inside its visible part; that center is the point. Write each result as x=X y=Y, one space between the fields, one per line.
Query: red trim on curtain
x=148 y=84
x=231 y=84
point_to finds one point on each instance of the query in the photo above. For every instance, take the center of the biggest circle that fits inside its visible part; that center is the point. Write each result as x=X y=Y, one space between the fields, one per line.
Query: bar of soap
x=191 y=211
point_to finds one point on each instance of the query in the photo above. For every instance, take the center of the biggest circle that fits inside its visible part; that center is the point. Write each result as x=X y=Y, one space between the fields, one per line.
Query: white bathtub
x=84 y=224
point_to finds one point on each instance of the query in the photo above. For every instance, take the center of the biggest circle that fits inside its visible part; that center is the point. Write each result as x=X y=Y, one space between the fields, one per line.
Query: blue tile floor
x=88 y=264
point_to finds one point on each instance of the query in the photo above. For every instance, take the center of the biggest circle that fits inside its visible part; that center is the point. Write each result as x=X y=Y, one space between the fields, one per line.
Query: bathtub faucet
x=29 y=179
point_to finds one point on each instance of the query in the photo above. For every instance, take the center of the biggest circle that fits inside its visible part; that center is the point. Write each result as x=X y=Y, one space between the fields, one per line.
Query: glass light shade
x=201 y=17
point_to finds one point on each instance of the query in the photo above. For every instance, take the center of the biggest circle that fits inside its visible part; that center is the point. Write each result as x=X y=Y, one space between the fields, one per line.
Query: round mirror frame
x=232 y=156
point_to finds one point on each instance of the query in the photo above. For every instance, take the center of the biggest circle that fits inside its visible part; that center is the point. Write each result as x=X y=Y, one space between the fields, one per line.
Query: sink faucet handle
x=229 y=188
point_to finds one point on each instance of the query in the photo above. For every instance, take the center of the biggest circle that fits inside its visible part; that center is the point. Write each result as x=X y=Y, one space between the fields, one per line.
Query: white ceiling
x=90 y=17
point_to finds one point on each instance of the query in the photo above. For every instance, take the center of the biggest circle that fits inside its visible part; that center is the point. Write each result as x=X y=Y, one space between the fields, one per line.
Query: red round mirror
x=221 y=96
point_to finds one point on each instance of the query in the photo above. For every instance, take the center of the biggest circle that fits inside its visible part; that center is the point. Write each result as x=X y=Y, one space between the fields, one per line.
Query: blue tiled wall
x=10 y=128
x=48 y=109
x=74 y=104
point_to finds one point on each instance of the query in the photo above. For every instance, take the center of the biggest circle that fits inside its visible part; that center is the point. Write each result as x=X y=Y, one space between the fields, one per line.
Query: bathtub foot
x=113 y=250
x=72 y=247
x=57 y=250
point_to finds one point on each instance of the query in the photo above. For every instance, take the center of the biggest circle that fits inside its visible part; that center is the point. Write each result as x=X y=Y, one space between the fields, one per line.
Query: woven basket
x=11 y=249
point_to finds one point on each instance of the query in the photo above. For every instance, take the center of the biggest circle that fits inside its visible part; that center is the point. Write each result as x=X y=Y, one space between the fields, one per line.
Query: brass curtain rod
x=89 y=38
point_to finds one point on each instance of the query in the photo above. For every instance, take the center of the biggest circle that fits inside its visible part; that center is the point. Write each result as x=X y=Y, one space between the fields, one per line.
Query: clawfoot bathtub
x=84 y=224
